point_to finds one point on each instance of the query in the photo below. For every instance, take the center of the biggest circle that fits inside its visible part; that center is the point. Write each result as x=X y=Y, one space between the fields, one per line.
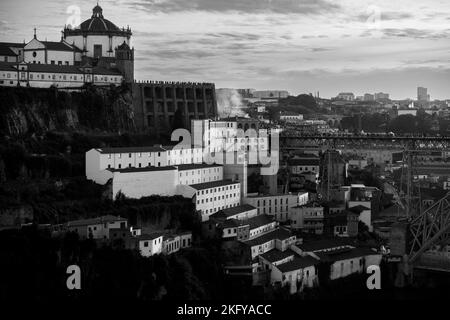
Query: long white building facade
x=165 y=171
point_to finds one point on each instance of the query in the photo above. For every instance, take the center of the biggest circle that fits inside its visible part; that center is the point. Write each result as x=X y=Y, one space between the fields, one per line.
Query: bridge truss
x=427 y=228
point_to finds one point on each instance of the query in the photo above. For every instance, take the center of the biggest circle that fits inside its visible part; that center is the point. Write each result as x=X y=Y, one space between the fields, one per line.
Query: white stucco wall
x=279 y=206
x=144 y=184
x=154 y=246
x=194 y=176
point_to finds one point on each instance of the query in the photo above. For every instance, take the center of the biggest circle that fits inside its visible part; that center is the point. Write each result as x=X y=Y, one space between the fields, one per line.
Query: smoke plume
x=229 y=103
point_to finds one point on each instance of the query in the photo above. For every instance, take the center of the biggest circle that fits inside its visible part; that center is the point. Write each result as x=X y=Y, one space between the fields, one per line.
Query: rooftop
x=229 y=212
x=184 y=167
x=130 y=149
x=275 y=255
x=13 y=44
x=144 y=169
x=252 y=196
x=297 y=263
x=260 y=220
x=280 y=234
x=303 y=162
x=316 y=245
x=344 y=254
x=150 y=236
x=92 y=221
x=213 y=184
x=6 y=51
x=59 y=46
x=359 y=208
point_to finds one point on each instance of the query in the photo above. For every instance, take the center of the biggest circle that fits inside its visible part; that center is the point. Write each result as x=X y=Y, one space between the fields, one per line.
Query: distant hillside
x=303 y=103
x=25 y=111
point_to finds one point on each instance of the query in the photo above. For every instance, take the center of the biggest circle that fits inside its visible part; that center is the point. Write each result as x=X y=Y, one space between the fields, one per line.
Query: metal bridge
x=290 y=141
x=428 y=230
x=431 y=230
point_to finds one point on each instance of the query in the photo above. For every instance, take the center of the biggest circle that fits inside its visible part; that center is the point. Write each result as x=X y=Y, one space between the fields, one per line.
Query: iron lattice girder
x=429 y=228
x=417 y=143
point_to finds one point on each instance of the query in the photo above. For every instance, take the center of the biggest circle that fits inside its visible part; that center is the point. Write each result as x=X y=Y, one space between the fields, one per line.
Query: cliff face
x=26 y=111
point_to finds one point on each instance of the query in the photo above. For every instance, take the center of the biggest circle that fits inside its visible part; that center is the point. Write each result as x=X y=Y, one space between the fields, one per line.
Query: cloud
x=242 y=6
x=415 y=33
x=386 y=16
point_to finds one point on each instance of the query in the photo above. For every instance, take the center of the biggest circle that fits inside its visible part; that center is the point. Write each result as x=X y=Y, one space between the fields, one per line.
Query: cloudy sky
x=302 y=46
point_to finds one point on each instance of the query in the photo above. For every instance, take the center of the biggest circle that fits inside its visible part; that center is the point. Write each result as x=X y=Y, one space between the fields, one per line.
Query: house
x=280 y=238
x=301 y=165
x=7 y=53
x=174 y=242
x=161 y=242
x=308 y=217
x=96 y=228
x=289 y=268
x=347 y=261
x=150 y=244
x=298 y=273
x=241 y=212
x=210 y=197
x=279 y=205
x=342 y=224
x=341 y=254
x=241 y=223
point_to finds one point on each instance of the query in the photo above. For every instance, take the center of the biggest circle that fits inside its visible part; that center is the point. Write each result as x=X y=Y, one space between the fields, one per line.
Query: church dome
x=97 y=23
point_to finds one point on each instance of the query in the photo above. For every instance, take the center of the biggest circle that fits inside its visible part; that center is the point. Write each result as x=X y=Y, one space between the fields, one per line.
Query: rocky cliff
x=25 y=111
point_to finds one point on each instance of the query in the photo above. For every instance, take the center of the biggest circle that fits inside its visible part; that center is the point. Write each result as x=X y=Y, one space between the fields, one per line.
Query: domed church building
x=97 y=37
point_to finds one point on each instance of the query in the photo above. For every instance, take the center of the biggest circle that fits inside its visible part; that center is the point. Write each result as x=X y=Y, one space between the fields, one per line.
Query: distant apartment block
x=381 y=96
x=345 y=96
x=368 y=97
x=422 y=94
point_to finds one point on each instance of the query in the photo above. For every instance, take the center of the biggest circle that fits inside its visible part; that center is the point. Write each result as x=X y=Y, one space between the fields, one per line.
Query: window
x=67 y=63
x=52 y=62
x=146 y=244
x=59 y=63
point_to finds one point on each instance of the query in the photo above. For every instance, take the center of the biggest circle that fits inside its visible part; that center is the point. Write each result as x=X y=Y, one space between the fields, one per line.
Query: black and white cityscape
x=224 y=150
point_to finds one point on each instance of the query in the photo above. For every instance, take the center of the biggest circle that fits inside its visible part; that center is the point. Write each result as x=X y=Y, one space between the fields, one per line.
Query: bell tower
x=125 y=61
